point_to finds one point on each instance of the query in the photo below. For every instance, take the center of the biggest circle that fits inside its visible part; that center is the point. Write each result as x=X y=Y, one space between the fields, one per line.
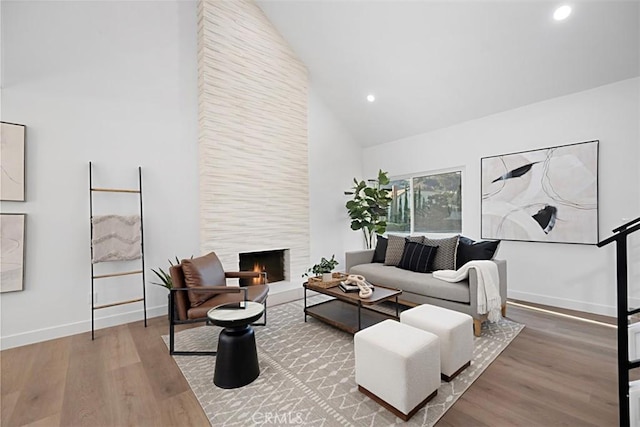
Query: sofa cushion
x=417 y=257
x=446 y=256
x=470 y=250
x=416 y=283
x=381 y=249
x=395 y=247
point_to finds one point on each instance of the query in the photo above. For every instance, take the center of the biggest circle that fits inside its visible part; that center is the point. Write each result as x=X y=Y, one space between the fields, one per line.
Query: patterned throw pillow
x=395 y=247
x=446 y=256
x=417 y=257
x=469 y=250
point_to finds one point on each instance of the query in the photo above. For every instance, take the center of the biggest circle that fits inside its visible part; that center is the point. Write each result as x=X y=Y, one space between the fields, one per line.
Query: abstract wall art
x=545 y=195
x=12 y=162
x=12 y=252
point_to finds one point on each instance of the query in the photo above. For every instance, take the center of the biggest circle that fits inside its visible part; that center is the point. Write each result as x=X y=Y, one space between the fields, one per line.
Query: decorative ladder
x=143 y=299
x=624 y=364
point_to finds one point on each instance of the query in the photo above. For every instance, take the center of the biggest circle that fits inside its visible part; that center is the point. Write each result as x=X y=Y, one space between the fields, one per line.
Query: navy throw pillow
x=417 y=257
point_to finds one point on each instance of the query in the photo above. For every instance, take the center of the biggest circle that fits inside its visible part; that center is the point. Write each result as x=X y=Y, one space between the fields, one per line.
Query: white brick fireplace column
x=253 y=156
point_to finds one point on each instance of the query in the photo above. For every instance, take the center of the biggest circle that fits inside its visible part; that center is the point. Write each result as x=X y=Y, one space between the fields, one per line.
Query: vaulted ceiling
x=433 y=64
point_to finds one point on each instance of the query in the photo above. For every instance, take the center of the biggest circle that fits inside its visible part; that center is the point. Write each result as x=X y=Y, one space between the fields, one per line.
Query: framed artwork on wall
x=544 y=195
x=12 y=166
x=12 y=247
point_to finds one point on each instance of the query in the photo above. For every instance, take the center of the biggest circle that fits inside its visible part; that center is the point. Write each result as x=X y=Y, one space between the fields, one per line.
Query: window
x=426 y=204
x=399 y=217
x=438 y=203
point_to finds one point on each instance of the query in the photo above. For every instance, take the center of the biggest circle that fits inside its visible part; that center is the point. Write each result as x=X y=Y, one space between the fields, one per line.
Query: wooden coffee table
x=347 y=311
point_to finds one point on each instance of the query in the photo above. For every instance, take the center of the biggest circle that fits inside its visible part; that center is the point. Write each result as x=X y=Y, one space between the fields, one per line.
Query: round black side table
x=237 y=358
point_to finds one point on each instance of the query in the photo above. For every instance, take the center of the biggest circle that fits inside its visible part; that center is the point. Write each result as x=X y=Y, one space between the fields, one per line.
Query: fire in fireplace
x=273 y=262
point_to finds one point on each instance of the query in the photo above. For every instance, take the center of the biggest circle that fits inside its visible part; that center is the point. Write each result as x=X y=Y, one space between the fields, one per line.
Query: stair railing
x=624 y=364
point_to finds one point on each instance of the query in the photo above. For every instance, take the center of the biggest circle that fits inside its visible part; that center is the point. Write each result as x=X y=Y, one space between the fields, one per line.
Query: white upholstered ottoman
x=397 y=366
x=455 y=331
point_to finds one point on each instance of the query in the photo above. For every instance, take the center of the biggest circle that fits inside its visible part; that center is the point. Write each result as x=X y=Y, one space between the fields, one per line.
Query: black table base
x=237 y=359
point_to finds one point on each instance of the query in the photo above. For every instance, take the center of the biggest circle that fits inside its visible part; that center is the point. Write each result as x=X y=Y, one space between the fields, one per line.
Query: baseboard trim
x=278 y=294
x=53 y=332
x=605 y=310
x=553 y=311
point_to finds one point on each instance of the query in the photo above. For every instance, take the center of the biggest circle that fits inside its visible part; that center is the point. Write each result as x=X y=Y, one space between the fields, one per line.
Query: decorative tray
x=337 y=278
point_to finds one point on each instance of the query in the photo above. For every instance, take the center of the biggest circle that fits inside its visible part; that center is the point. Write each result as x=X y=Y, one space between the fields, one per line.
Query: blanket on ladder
x=488 y=284
x=116 y=238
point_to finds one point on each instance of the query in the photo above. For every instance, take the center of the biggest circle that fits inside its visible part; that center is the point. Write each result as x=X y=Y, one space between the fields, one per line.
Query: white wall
x=572 y=276
x=114 y=83
x=335 y=159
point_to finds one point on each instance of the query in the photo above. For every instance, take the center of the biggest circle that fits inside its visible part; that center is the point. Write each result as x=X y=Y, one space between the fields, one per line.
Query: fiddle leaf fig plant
x=368 y=207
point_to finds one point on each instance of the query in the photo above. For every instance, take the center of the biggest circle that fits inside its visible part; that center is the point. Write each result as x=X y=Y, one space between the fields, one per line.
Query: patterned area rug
x=307 y=375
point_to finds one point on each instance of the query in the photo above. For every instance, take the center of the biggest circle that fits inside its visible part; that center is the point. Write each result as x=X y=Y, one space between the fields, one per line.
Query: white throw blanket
x=488 y=283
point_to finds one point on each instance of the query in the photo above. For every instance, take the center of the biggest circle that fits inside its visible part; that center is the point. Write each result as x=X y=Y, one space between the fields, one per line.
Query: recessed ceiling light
x=371 y=98
x=562 y=13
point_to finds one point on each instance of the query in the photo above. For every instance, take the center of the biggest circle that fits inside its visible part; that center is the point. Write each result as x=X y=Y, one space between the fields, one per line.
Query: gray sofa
x=423 y=288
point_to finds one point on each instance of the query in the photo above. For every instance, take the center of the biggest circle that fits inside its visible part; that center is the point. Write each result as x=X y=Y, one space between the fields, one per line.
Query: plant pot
x=327 y=277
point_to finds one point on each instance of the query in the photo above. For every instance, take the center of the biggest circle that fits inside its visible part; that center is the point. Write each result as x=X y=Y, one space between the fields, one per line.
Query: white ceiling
x=432 y=64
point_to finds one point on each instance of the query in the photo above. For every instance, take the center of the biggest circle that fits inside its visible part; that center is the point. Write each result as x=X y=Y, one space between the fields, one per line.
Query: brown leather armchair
x=199 y=284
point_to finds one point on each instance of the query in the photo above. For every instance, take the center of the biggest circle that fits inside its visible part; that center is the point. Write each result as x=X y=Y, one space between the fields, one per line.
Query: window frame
x=410 y=178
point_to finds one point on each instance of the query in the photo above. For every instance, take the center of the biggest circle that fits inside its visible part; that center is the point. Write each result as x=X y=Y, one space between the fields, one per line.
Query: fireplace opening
x=271 y=262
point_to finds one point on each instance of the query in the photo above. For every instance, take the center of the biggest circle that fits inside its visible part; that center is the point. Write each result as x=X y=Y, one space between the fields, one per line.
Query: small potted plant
x=323 y=268
x=165 y=278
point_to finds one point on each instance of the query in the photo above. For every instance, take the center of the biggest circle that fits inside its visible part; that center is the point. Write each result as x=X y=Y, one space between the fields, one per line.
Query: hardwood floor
x=558 y=371
x=123 y=378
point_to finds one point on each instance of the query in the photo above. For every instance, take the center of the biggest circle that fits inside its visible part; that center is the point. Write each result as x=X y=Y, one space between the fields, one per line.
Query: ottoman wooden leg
x=504 y=310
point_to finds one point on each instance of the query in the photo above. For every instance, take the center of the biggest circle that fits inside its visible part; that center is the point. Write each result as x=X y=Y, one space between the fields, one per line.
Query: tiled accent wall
x=253 y=157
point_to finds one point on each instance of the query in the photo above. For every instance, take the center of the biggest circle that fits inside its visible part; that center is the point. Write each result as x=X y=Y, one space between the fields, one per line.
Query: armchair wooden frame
x=173 y=317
